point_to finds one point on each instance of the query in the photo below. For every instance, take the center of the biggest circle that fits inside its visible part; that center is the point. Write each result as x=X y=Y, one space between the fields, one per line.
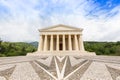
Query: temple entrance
x=60 y=46
x=60 y=43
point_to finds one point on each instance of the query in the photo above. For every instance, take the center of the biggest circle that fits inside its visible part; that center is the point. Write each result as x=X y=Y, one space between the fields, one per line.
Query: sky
x=21 y=19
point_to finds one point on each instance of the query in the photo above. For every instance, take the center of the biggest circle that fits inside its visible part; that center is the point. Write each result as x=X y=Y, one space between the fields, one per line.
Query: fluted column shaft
x=45 y=43
x=57 y=46
x=81 y=43
x=76 y=42
x=40 y=43
x=51 y=43
x=70 y=45
x=64 y=46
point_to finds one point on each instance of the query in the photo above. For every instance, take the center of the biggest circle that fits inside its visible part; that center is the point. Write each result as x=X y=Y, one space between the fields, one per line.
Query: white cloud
x=26 y=19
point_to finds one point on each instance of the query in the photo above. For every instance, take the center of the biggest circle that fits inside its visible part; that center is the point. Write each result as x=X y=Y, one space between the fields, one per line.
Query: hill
x=35 y=44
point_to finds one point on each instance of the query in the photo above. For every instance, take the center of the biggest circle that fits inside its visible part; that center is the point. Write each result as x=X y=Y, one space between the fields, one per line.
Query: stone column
x=81 y=43
x=63 y=42
x=40 y=47
x=57 y=46
x=76 y=42
x=45 y=43
x=70 y=45
x=51 y=43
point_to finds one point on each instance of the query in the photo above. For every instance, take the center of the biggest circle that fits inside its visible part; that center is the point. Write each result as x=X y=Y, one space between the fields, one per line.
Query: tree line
x=15 y=48
x=103 y=48
x=22 y=48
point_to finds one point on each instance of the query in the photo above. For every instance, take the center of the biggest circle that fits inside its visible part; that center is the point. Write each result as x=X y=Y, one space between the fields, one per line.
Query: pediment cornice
x=60 y=28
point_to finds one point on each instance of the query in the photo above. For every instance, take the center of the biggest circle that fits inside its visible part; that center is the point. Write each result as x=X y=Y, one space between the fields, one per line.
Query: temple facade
x=61 y=40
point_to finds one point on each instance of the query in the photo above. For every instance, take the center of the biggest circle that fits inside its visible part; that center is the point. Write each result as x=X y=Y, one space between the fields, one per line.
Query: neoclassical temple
x=61 y=39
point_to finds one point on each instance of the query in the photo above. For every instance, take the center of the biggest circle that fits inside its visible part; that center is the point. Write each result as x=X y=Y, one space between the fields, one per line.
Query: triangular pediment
x=60 y=27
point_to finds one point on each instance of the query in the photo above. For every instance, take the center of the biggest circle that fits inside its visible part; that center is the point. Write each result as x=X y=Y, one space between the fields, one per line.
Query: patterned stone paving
x=60 y=68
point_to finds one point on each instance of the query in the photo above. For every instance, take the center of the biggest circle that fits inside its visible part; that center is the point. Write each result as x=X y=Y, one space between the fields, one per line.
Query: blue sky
x=21 y=19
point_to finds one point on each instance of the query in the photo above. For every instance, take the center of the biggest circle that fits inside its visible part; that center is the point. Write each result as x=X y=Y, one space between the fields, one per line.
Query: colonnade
x=61 y=42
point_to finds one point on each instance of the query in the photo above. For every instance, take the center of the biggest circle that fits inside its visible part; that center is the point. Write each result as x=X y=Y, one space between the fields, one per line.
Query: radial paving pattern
x=60 y=68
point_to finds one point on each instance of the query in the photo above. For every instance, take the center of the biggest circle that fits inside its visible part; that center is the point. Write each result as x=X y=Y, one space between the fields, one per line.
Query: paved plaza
x=60 y=68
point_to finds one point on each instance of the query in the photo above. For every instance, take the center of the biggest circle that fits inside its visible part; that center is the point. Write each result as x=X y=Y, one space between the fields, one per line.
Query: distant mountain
x=34 y=44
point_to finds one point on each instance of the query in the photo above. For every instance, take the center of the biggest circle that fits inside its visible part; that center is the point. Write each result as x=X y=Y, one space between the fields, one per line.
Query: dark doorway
x=60 y=46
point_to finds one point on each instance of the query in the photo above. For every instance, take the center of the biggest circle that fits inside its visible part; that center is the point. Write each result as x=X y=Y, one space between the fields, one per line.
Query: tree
x=23 y=49
x=0 y=45
x=33 y=50
x=0 y=41
x=118 y=43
